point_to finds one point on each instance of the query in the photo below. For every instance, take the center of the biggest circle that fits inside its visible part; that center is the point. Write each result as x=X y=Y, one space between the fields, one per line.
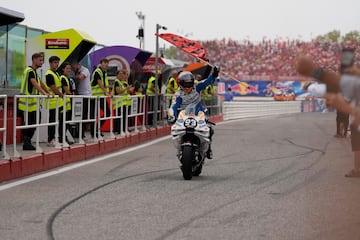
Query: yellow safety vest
x=125 y=100
x=149 y=84
x=31 y=102
x=208 y=92
x=169 y=84
x=53 y=102
x=95 y=89
x=68 y=102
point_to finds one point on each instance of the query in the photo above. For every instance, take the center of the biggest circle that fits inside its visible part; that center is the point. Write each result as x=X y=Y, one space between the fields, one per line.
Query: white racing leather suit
x=182 y=99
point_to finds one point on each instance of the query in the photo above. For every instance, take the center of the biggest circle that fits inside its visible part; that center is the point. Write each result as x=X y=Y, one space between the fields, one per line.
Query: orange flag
x=189 y=46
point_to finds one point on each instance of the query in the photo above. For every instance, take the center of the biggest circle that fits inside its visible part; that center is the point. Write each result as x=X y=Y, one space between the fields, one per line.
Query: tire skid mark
x=50 y=222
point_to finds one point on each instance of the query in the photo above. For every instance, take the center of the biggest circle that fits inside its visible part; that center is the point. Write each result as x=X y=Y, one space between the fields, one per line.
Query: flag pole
x=184 y=43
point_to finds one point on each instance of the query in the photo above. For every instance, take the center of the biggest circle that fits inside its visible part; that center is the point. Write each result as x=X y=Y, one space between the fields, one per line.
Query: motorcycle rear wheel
x=186 y=160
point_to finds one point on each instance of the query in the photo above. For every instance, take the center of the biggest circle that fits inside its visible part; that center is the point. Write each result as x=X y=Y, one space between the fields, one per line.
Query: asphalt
x=271 y=178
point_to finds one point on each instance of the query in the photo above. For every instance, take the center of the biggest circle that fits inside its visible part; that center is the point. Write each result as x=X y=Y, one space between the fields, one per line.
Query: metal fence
x=140 y=116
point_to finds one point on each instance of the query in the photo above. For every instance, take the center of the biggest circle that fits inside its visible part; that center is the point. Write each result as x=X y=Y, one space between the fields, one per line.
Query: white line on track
x=80 y=164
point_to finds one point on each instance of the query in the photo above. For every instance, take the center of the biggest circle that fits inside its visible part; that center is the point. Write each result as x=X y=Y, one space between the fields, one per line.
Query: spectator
x=83 y=87
x=54 y=87
x=31 y=85
x=198 y=78
x=67 y=89
x=172 y=86
x=99 y=88
x=274 y=58
x=229 y=95
x=123 y=104
x=138 y=90
x=331 y=84
x=208 y=97
x=151 y=91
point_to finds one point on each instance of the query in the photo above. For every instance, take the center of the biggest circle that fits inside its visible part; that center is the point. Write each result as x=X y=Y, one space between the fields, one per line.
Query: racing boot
x=209 y=153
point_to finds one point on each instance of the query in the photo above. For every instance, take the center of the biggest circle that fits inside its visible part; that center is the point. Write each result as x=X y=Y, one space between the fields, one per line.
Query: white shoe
x=51 y=143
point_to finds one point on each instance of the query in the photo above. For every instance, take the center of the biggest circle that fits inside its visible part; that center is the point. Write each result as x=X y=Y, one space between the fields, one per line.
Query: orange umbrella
x=198 y=68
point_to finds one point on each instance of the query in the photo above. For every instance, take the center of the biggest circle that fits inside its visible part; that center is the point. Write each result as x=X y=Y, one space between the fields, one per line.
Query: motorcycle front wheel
x=186 y=160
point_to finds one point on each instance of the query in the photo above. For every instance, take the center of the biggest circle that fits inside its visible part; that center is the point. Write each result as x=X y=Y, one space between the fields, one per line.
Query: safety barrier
x=40 y=102
x=3 y=129
x=138 y=118
x=258 y=108
x=78 y=102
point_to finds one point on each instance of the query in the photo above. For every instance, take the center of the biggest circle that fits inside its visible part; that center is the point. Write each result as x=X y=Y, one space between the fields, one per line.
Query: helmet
x=186 y=80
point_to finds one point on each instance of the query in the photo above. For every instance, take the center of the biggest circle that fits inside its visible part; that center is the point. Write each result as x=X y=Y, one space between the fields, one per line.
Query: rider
x=187 y=94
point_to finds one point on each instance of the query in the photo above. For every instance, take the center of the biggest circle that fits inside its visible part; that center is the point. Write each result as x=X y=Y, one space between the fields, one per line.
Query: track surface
x=271 y=178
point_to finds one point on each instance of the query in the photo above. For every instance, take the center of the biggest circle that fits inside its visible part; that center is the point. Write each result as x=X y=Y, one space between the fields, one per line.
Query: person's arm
x=56 y=90
x=337 y=102
x=176 y=103
x=99 y=82
x=65 y=86
x=202 y=85
x=40 y=88
x=121 y=90
x=79 y=76
x=67 y=90
x=82 y=74
x=353 y=71
x=118 y=90
x=50 y=81
x=101 y=85
x=306 y=67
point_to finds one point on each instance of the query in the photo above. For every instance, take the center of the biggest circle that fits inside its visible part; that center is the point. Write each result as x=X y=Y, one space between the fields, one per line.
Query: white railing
x=135 y=111
x=3 y=129
x=77 y=105
x=139 y=112
x=25 y=124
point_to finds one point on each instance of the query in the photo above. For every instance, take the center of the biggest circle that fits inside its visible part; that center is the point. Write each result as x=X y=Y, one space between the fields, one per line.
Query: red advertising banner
x=57 y=43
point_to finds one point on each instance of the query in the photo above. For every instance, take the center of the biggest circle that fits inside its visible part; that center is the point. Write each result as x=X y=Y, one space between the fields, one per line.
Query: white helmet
x=186 y=80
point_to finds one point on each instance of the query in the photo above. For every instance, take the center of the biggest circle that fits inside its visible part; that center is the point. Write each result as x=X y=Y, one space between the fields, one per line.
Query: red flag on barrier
x=189 y=46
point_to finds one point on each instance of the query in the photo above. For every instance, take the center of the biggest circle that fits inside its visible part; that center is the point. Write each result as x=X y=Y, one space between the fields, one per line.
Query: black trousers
x=51 y=129
x=85 y=112
x=121 y=111
x=124 y=113
x=28 y=133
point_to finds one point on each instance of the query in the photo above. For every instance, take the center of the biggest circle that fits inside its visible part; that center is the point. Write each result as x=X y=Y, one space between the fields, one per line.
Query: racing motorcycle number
x=190 y=123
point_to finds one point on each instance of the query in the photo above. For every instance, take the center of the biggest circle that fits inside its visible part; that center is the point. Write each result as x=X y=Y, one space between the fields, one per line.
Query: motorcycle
x=191 y=137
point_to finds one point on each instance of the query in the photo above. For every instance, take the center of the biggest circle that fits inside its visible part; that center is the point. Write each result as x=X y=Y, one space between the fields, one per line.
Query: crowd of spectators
x=272 y=58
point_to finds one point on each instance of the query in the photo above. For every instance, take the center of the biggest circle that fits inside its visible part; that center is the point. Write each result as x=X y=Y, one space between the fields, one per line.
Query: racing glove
x=216 y=71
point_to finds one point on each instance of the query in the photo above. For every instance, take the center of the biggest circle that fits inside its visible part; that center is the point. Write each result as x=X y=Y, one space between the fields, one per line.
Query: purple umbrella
x=122 y=56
